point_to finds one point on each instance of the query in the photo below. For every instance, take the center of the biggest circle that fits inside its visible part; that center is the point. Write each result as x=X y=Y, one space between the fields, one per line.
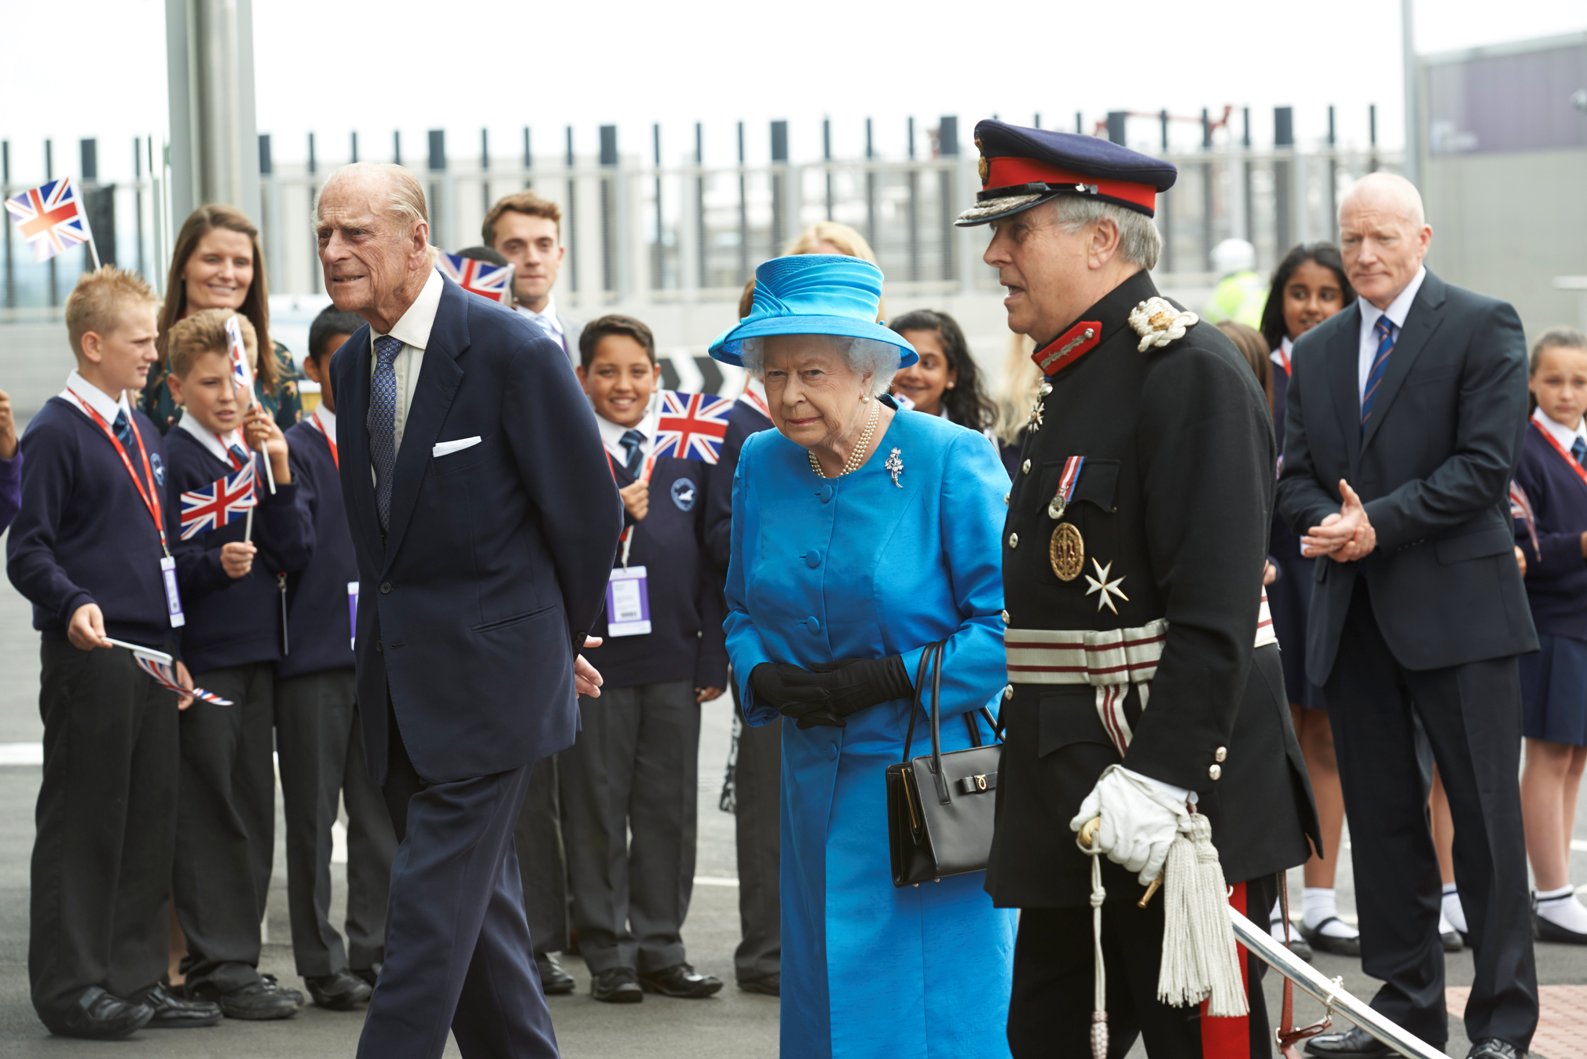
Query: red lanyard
x=1570 y=461
x=1283 y=359
x=149 y=495
x=314 y=421
x=231 y=457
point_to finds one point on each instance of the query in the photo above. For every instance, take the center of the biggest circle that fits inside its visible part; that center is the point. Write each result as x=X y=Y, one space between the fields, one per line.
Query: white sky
x=331 y=66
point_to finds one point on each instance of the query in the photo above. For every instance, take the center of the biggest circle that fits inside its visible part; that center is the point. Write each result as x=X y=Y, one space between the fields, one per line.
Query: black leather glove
x=835 y=690
x=769 y=682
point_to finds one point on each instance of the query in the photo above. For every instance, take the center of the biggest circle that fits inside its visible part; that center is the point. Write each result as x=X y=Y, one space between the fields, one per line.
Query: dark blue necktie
x=1578 y=449
x=1385 y=330
x=382 y=422
x=123 y=428
x=633 y=444
x=239 y=456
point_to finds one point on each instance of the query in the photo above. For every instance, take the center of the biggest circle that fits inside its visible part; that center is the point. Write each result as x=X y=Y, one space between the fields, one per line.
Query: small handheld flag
x=691 y=426
x=491 y=282
x=52 y=218
x=237 y=352
x=162 y=668
x=214 y=507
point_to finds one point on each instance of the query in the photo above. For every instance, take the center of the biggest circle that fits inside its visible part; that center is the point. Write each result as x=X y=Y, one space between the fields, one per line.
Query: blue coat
x=497 y=555
x=852 y=567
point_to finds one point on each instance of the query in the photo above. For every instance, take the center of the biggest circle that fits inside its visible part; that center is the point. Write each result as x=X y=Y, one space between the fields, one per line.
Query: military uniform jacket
x=1173 y=504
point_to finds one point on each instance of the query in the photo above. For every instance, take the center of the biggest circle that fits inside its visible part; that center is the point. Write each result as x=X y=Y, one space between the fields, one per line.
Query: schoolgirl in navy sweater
x=235 y=593
x=629 y=781
x=1551 y=531
x=86 y=550
x=319 y=743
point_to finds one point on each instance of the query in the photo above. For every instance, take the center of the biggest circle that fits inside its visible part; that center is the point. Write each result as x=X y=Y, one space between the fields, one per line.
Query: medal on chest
x=1066 y=551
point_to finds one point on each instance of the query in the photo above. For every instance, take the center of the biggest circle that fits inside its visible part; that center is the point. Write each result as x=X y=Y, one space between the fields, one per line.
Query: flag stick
x=88 y=228
x=247 y=528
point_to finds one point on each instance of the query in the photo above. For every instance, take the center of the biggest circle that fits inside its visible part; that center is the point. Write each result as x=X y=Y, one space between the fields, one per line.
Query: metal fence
x=653 y=223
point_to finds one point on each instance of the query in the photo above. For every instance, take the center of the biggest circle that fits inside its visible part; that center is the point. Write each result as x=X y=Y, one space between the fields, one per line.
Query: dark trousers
x=106 y=828
x=226 y=818
x=321 y=754
x=457 y=942
x=1472 y=718
x=757 y=777
x=1049 y=1012
x=537 y=833
x=630 y=796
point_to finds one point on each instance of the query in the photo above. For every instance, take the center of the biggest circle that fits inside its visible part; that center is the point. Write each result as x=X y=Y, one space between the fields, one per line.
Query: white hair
x=862 y=355
x=1139 y=240
x=404 y=195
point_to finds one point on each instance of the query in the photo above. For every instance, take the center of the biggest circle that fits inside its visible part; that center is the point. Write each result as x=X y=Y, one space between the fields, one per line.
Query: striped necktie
x=123 y=429
x=382 y=422
x=633 y=444
x=1578 y=450
x=1385 y=330
x=239 y=456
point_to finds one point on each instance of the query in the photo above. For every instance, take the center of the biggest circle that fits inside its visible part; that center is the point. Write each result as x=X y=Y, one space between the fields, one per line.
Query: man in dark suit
x=484 y=522
x=1404 y=424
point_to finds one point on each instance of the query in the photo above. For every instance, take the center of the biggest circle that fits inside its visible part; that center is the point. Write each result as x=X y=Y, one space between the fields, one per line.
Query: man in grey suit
x=1405 y=418
x=527 y=230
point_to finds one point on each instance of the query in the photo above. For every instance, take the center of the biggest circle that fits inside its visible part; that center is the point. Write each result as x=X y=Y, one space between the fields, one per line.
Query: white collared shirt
x=547 y=318
x=1286 y=349
x=215 y=444
x=1396 y=313
x=100 y=401
x=327 y=421
x=413 y=330
x=612 y=436
x=1564 y=435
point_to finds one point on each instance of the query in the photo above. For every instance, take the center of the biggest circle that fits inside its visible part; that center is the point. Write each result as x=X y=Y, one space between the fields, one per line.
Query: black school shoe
x=616 y=986
x=173 y=1012
x=337 y=991
x=554 y=980
x=764 y=984
x=680 y=980
x=101 y=1016
x=258 y=1001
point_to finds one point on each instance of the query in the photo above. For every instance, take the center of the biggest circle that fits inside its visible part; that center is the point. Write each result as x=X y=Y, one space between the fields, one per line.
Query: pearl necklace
x=856 y=457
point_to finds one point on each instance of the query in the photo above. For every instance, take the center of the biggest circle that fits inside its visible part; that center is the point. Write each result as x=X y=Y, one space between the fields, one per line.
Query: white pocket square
x=446 y=448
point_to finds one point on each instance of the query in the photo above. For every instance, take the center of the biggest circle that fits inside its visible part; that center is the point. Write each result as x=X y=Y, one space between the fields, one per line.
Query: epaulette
x=1159 y=321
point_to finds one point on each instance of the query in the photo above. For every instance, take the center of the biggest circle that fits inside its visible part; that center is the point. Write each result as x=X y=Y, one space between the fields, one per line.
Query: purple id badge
x=173 y=598
x=352 y=615
x=627 y=602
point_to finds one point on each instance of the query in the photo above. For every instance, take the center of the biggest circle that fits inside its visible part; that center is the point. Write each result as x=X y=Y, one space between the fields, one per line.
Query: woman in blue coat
x=861 y=534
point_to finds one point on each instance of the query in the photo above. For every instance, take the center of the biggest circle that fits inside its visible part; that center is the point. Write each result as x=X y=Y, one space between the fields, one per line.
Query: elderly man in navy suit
x=1404 y=424
x=485 y=522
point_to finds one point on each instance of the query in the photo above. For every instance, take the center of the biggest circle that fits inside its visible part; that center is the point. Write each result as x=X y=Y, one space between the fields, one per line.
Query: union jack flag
x=159 y=666
x=212 y=508
x=50 y=217
x=491 y=282
x=237 y=352
x=1521 y=511
x=691 y=426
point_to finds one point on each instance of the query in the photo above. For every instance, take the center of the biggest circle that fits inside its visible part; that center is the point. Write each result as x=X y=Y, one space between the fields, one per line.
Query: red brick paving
x=1561 y=1030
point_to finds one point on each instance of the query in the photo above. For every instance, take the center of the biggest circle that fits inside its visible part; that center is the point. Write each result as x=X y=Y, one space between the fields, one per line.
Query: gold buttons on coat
x=1214 y=772
x=1221 y=754
x=1024 y=468
x=1013 y=540
x=1005 y=617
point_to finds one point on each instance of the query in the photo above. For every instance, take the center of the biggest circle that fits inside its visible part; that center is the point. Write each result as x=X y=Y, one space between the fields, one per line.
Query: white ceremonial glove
x=1140 y=817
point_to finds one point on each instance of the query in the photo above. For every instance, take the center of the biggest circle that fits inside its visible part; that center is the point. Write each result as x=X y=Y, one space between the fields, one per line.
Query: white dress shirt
x=216 y=445
x=612 y=435
x=95 y=398
x=1396 y=313
x=1564 y=435
x=327 y=421
x=547 y=318
x=413 y=330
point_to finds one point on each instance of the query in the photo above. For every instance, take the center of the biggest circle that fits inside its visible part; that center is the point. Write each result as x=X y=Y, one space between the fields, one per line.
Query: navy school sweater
x=318 y=634
x=686 y=607
x=1556 y=574
x=231 y=622
x=745 y=419
x=83 y=534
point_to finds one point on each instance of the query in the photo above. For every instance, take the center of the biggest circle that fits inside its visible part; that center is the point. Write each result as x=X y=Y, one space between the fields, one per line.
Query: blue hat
x=1021 y=168
x=813 y=294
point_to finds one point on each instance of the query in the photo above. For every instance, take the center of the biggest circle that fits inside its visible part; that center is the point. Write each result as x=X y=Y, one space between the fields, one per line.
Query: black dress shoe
x=258 y=1001
x=368 y=974
x=553 y=979
x=1452 y=940
x=1354 y=1043
x=172 y=1012
x=616 y=986
x=337 y=991
x=100 y=1016
x=764 y=984
x=1323 y=941
x=1548 y=930
x=680 y=980
x=1494 y=1048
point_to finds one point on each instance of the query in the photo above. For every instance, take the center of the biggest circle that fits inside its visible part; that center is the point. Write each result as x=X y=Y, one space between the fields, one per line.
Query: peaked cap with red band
x=1021 y=168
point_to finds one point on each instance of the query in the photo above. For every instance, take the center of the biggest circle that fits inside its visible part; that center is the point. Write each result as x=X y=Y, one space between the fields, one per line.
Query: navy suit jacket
x=496 y=558
x=1433 y=470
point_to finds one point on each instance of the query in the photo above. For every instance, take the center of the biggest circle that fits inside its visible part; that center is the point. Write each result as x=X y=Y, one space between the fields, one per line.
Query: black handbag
x=940 y=806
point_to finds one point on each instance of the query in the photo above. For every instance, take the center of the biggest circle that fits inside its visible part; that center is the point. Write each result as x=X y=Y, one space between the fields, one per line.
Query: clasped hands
x=1345 y=536
x=829 y=692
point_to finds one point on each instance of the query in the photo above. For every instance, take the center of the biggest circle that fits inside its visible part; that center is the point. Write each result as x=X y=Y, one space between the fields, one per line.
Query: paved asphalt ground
x=734 y=1024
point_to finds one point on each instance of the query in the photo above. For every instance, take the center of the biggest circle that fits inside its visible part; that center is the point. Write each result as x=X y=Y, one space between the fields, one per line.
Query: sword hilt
x=1088 y=838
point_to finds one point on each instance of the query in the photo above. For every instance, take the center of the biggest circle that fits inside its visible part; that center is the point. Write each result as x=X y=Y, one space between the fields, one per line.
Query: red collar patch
x=1068 y=347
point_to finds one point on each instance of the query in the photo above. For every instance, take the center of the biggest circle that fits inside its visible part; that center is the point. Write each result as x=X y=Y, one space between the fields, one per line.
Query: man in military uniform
x=1144 y=678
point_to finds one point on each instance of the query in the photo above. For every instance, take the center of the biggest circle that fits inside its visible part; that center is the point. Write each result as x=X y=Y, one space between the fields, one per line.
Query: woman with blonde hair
x=831 y=237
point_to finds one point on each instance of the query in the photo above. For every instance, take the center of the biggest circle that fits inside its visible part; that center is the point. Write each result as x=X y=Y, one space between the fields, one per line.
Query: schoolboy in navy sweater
x=629 y=782
x=86 y=551
x=318 y=740
x=234 y=590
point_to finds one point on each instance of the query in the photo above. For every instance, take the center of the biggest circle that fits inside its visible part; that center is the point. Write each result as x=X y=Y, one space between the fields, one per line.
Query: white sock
x=1319 y=906
x=1561 y=908
x=1454 y=913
